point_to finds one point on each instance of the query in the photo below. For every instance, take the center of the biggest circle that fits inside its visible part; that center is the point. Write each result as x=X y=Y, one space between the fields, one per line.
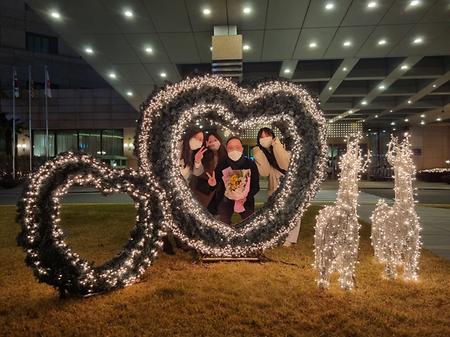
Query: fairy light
x=396 y=229
x=51 y=258
x=221 y=101
x=336 y=238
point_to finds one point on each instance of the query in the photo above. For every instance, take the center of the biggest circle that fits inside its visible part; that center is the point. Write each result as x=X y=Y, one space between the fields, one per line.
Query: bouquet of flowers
x=237 y=186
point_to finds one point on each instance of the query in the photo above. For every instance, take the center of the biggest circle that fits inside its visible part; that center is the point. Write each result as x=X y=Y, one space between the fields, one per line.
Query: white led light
x=418 y=40
x=344 y=69
x=112 y=75
x=350 y=111
x=55 y=14
x=382 y=42
x=404 y=67
x=329 y=6
x=422 y=116
x=364 y=102
x=376 y=116
x=414 y=3
x=372 y=4
x=246 y=10
x=129 y=93
x=381 y=87
x=163 y=74
x=149 y=50
x=434 y=85
x=392 y=123
x=206 y=11
x=438 y=119
x=88 y=50
x=422 y=122
x=312 y=44
x=287 y=71
x=246 y=47
x=406 y=120
x=347 y=43
x=409 y=101
x=128 y=13
x=330 y=88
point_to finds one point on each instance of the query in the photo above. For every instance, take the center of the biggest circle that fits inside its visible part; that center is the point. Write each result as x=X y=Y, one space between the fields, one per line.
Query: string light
x=287 y=106
x=396 y=230
x=336 y=238
x=52 y=260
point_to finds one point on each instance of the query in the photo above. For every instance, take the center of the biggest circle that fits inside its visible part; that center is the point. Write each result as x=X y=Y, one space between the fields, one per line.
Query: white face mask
x=266 y=142
x=214 y=145
x=194 y=144
x=234 y=155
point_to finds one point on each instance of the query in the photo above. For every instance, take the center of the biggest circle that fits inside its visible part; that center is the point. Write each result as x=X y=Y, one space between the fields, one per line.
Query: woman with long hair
x=192 y=150
x=214 y=154
x=272 y=160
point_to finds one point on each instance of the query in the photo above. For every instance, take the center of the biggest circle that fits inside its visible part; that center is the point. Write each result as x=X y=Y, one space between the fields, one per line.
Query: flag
x=15 y=84
x=48 y=88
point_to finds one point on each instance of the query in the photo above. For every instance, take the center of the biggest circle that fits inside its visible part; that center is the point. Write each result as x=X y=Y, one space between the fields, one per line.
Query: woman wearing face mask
x=215 y=154
x=192 y=151
x=271 y=158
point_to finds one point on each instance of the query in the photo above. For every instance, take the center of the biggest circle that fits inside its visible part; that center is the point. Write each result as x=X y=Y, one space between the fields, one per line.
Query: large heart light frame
x=167 y=115
x=162 y=198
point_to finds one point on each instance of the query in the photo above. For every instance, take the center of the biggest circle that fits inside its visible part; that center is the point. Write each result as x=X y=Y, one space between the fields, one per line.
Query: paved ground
x=435 y=221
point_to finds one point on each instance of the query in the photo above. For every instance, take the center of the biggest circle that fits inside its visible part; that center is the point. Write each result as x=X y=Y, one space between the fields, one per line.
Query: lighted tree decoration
x=396 y=230
x=336 y=237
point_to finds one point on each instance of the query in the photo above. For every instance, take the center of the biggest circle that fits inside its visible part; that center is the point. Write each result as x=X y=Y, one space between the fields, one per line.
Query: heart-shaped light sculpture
x=287 y=106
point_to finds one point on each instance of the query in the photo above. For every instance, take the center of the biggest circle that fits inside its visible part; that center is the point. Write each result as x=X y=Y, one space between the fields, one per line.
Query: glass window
x=39 y=143
x=90 y=141
x=112 y=142
x=66 y=141
x=41 y=43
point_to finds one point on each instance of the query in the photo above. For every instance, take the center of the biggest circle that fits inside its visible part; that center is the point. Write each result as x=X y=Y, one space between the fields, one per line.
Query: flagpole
x=29 y=118
x=46 y=114
x=14 y=125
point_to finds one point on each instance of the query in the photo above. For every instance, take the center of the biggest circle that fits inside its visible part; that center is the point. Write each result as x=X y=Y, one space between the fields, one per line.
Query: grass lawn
x=180 y=297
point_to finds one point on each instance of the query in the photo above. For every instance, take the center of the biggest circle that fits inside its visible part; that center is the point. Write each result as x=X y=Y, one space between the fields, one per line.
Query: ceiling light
x=391 y=110
x=163 y=74
x=369 y=129
x=128 y=13
x=434 y=85
x=55 y=14
x=350 y=111
x=382 y=42
x=206 y=11
x=438 y=119
x=344 y=69
x=312 y=45
x=376 y=116
x=246 y=10
x=409 y=101
x=381 y=87
x=422 y=122
x=406 y=120
x=414 y=3
x=404 y=67
x=392 y=123
x=329 y=6
x=246 y=47
x=393 y=129
x=89 y=50
x=210 y=48
x=149 y=50
x=372 y=4
x=418 y=40
x=347 y=43
x=112 y=75
x=364 y=102
x=330 y=88
x=287 y=71
x=422 y=116
x=384 y=130
x=129 y=93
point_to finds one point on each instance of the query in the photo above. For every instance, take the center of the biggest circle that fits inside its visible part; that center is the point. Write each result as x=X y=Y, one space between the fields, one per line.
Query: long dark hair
x=208 y=157
x=186 y=153
x=269 y=154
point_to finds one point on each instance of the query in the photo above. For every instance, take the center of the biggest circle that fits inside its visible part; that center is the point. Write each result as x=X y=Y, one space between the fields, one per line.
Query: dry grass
x=178 y=297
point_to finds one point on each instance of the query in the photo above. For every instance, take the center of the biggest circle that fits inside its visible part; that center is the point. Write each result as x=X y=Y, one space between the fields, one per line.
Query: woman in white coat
x=272 y=160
